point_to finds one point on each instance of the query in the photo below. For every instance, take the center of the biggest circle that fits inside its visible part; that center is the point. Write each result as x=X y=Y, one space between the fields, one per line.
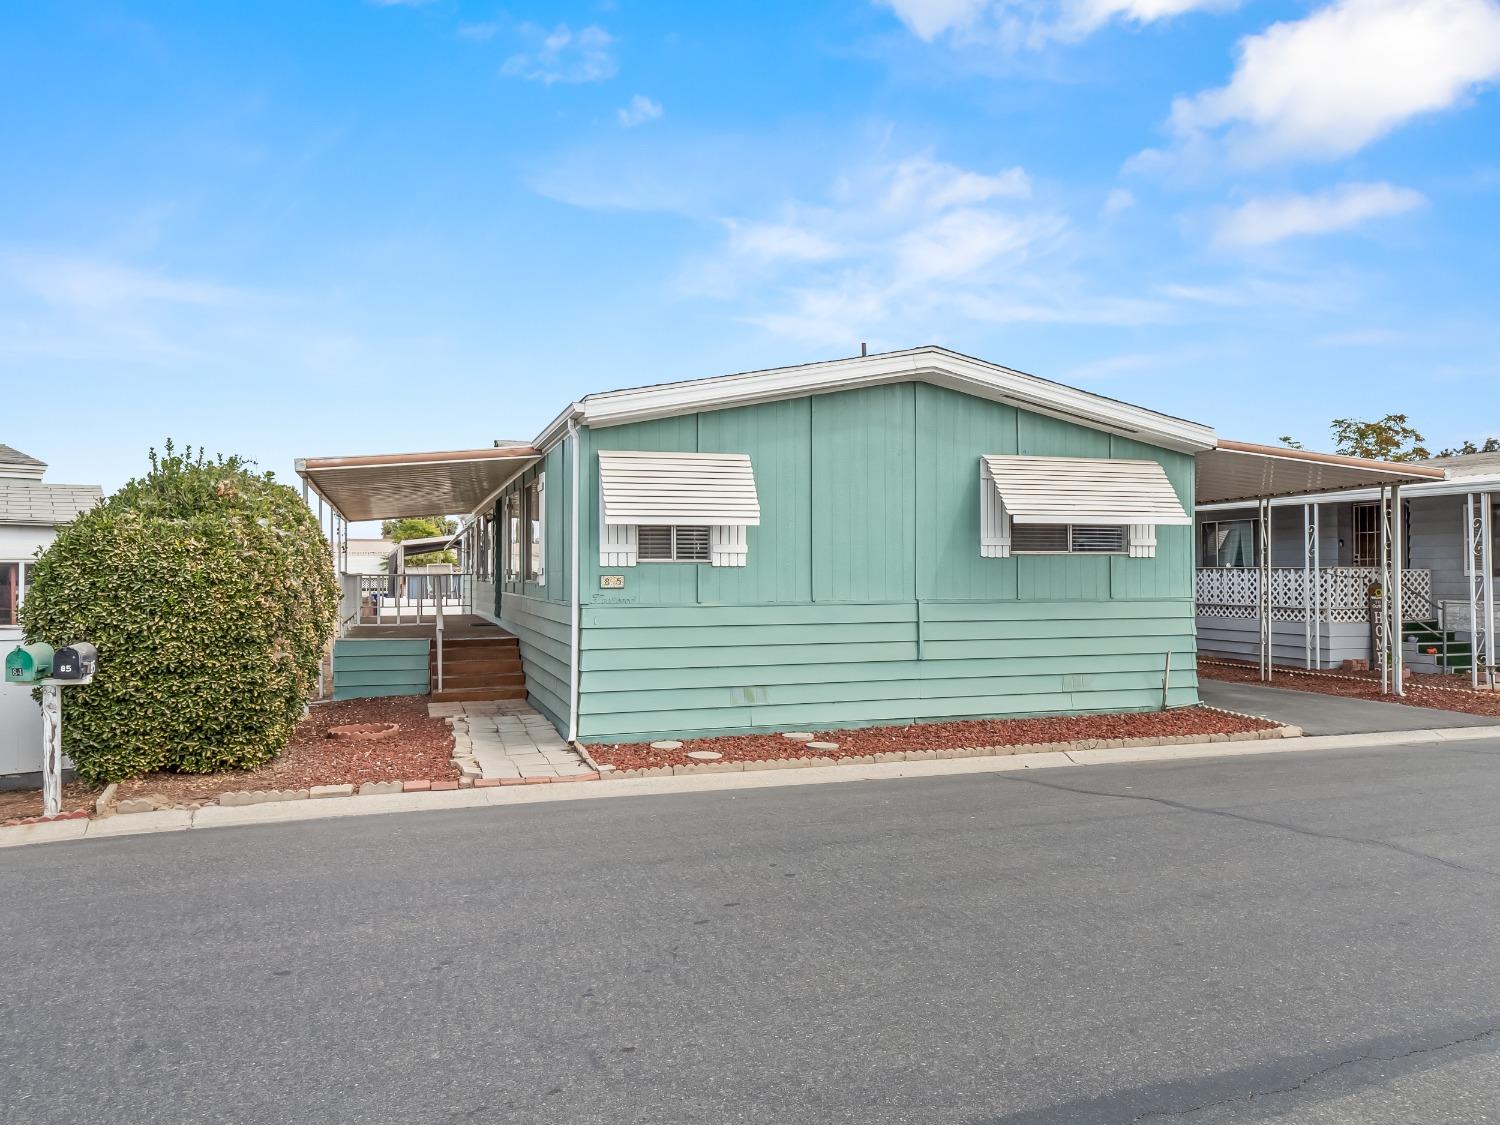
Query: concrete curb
x=809 y=773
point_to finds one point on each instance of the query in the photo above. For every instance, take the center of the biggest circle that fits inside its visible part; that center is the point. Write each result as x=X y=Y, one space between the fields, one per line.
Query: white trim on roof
x=638 y=487
x=1456 y=486
x=938 y=366
x=1084 y=490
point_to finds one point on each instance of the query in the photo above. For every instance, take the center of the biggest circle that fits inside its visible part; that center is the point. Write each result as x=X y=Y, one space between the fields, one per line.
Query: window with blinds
x=658 y=543
x=1066 y=539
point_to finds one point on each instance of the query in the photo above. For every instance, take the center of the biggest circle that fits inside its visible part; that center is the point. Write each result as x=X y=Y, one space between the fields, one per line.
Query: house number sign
x=611 y=582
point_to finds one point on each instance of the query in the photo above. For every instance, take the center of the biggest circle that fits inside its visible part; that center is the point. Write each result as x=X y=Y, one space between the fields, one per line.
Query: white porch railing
x=1341 y=592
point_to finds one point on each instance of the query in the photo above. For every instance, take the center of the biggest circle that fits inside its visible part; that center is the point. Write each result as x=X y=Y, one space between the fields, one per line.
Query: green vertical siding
x=953 y=431
x=865 y=598
x=778 y=438
x=377 y=667
x=864 y=495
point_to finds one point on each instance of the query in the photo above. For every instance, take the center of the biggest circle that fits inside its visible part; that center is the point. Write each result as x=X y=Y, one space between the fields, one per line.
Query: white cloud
x=1261 y=222
x=1116 y=202
x=1032 y=23
x=563 y=55
x=1346 y=75
x=907 y=248
x=929 y=19
x=771 y=242
x=640 y=110
x=87 y=284
x=930 y=185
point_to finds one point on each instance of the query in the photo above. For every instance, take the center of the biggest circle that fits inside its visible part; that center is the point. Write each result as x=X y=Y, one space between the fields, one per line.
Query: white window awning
x=641 y=487
x=1083 y=490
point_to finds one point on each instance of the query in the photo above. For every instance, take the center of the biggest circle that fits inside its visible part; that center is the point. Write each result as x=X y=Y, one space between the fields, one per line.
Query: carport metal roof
x=1242 y=471
x=394 y=485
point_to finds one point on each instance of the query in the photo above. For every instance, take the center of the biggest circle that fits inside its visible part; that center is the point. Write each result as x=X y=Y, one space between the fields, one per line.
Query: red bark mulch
x=421 y=748
x=1445 y=693
x=1004 y=733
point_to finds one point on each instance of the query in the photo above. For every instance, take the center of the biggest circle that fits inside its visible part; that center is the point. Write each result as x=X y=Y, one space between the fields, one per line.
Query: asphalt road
x=1299 y=938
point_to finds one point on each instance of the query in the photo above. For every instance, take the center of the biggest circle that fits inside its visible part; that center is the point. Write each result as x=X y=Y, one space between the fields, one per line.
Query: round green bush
x=209 y=591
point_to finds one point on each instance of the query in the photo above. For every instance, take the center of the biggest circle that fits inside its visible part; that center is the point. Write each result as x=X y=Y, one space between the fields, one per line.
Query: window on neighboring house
x=672 y=544
x=1366 y=535
x=1066 y=539
x=1228 y=543
x=14 y=576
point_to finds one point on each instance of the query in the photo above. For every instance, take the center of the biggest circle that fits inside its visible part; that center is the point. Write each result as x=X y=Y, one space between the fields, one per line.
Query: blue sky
x=285 y=229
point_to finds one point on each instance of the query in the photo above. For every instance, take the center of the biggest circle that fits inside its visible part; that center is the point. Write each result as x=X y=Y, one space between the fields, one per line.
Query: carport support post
x=1479 y=570
x=1309 y=545
x=1383 y=625
x=1397 y=627
x=1265 y=590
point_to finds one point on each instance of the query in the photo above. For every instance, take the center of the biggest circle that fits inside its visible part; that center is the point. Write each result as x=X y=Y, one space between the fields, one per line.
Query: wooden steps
x=478 y=668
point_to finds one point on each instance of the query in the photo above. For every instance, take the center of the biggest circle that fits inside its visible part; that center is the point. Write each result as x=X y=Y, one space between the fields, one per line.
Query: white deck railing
x=1341 y=592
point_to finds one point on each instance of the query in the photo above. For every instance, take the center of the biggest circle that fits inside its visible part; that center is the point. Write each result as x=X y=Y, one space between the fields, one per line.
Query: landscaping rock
x=135 y=805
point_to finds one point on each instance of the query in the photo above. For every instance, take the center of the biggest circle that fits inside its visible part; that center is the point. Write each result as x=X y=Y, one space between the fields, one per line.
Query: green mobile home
x=914 y=536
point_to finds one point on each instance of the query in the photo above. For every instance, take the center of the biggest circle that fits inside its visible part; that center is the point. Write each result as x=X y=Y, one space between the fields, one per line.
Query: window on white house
x=1228 y=543
x=12 y=579
x=1066 y=539
x=660 y=543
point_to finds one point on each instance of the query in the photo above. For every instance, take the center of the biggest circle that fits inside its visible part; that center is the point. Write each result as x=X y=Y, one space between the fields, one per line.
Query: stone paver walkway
x=508 y=740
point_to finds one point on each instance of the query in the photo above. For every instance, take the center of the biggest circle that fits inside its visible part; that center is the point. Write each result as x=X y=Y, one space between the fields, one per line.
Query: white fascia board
x=931 y=365
x=557 y=429
x=1459 y=486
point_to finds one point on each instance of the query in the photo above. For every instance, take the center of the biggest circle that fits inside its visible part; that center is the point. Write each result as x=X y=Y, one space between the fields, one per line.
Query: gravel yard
x=1002 y=733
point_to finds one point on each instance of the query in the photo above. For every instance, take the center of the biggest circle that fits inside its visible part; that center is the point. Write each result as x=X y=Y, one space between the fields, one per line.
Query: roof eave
x=932 y=365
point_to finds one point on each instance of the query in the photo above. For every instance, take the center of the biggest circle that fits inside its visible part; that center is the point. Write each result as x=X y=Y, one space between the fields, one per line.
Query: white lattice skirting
x=1234 y=592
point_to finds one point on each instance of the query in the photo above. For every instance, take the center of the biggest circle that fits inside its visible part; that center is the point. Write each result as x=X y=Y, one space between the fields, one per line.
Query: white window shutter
x=1143 y=541
x=617 y=542
x=728 y=545
x=994 y=521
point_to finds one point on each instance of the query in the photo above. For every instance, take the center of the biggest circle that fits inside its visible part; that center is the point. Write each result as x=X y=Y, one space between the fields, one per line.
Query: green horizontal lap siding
x=542 y=627
x=366 y=669
x=712 y=669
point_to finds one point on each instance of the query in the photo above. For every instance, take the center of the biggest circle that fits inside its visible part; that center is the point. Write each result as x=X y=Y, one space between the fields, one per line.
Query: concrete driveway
x=1317 y=713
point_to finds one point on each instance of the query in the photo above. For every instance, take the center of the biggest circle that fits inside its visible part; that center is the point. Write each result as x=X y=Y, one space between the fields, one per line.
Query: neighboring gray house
x=30 y=511
x=1347 y=530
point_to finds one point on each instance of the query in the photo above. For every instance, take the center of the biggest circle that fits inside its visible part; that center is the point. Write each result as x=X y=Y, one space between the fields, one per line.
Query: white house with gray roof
x=31 y=509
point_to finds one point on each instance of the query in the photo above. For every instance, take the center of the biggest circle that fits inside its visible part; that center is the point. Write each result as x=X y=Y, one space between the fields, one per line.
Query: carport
x=1237 y=471
x=396 y=485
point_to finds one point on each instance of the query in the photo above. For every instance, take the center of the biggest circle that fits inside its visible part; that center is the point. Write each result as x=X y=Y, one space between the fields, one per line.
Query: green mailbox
x=28 y=663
